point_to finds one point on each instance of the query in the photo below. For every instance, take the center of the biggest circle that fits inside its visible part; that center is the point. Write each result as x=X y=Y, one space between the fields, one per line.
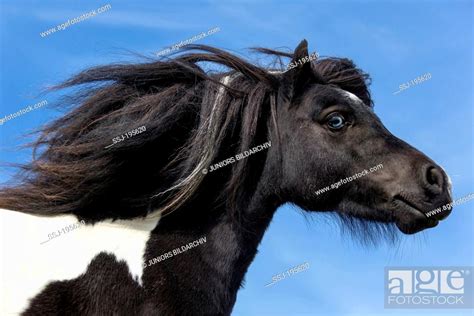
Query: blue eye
x=336 y=122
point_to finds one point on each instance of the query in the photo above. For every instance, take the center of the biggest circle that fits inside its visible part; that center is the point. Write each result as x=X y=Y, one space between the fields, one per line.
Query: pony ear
x=300 y=72
x=299 y=54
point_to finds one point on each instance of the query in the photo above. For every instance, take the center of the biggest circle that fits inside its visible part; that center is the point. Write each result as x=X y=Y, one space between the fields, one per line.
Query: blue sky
x=395 y=41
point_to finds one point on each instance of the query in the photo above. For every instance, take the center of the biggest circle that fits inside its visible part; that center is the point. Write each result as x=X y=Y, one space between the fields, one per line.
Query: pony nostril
x=434 y=177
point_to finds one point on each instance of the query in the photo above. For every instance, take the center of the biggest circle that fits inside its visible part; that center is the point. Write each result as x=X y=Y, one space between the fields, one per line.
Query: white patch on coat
x=348 y=94
x=351 y=96
x=29 y=263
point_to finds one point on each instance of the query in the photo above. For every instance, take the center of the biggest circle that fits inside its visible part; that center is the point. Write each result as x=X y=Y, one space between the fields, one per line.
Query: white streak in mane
x=28 y=266
x=207 y=156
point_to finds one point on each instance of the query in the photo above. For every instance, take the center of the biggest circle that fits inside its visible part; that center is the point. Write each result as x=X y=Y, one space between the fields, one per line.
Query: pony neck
x=204 y=280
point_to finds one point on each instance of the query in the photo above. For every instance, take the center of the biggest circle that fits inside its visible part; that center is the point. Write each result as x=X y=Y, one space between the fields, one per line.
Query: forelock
x=343 y=73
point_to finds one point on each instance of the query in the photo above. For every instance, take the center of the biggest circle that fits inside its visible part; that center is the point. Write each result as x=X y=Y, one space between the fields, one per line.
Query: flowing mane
x=193 y=118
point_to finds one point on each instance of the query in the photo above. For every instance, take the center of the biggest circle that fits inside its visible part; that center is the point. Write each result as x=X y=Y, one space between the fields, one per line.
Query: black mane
x=186 y=131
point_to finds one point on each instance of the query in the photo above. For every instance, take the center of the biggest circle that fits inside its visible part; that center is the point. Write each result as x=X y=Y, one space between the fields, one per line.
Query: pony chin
x=406 y=222
x=366 y=225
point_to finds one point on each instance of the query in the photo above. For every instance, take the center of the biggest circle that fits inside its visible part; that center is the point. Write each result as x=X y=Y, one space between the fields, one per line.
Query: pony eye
x=336 y=122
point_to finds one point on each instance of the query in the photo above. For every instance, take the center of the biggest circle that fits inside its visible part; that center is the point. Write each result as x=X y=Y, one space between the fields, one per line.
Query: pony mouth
x=409 y=218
